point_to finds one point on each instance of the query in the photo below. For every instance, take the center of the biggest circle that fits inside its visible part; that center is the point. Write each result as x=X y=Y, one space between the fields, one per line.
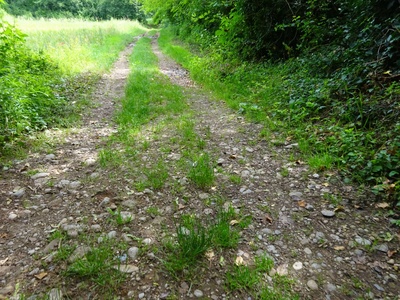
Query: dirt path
x=317 y=230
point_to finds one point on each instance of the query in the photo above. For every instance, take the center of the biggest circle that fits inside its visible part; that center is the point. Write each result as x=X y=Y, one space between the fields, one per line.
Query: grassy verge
x=298 y=107
x=48 y=70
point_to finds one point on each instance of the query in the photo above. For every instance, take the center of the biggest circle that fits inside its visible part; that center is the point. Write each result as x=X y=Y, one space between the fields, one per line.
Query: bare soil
x=350 y=255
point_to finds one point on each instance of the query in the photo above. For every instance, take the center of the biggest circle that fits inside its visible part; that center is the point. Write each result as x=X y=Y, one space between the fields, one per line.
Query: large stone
x=328 y=213
x=133 y=252
x=312 y=285
x=79 y=252
x=40 y=175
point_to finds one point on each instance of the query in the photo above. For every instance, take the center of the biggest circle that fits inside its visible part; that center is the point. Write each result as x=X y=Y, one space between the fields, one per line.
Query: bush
x=27 y=81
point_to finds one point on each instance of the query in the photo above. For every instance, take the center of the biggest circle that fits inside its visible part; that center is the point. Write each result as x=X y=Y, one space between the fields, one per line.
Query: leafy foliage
x=94 y=9
x=27 y=81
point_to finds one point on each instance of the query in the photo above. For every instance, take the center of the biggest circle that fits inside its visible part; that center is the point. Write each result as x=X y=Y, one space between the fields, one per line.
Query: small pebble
x=298 y=265
x=198 y=293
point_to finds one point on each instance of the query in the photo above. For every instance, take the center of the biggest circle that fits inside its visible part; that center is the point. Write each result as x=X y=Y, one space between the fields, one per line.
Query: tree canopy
x=92 y=9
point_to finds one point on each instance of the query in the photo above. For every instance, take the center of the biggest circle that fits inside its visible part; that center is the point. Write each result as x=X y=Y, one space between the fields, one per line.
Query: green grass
x=80 y=46
x=57 y=65
x=194 y=237
x=119 y=218
x=201 y=172
x=250 y=278
x=156 y=176
x=100 y=266
x=333 y=131
x=148 y=94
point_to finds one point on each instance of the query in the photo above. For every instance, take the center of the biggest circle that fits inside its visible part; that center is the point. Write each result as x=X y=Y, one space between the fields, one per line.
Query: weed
x=99 y=266
x=120 y=218
x=320 y=162
x=109 y=157
x=193 y=240
x=146 y=145
x=333 y=199
x=57 y=234
x=242 y=278
x=284 y=172
x=202 y=171
x=223 y=234
x=234 y=178
x=201 y=144
x=153 y=211
x=64 y=252
x=156 y=177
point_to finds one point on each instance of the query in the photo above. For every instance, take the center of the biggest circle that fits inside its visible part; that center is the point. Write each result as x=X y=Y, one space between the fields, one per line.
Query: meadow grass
x=79 y=46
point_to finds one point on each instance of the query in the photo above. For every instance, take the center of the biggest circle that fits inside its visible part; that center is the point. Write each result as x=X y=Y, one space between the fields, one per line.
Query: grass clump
x=251 y=279
x=201 y=172
x=195 y=237
x=100 y=266
x=156 y=176
x=120 y=218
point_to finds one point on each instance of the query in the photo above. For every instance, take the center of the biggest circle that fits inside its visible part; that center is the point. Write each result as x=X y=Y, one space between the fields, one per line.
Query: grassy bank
x=360 y=137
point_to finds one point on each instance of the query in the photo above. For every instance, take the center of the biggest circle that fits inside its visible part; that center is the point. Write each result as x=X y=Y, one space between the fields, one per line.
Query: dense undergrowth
x=356 y=132
x=47 y=74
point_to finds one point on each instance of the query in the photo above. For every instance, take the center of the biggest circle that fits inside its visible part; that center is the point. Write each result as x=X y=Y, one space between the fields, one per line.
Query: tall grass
x=47 y=75
x=79 y=46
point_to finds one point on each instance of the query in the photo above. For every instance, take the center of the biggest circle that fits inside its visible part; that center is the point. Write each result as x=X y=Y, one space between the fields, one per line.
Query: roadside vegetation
x=313 y=79
x=47 y=70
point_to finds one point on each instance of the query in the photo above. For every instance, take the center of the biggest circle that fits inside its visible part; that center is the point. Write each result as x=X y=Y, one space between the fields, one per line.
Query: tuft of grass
x=99 y=267
x=242 y=278
x=119 y=218
x=201 y=172
x=321 y=161
x=156 y=177
x=251 y=279
x=193 y=239
x=234 y=178
x=223 y=233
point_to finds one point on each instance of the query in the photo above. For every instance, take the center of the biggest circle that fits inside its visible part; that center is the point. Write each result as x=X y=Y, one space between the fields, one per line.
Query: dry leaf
x=339 y=208
x=232 y=156
x=339 y=248
x=325 y=184
x=302 y=203
x=391 y=253
x=382 y=205
x=40 y=276
x=210 y=255
x=233 y=222
x=268 y=218
x=181 y=206
x=239 y=261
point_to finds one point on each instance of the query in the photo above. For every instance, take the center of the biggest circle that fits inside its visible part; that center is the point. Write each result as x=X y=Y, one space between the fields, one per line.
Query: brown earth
x=349 y=255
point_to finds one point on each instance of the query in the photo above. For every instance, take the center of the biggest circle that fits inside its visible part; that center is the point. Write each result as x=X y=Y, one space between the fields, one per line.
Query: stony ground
x=321 y=232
